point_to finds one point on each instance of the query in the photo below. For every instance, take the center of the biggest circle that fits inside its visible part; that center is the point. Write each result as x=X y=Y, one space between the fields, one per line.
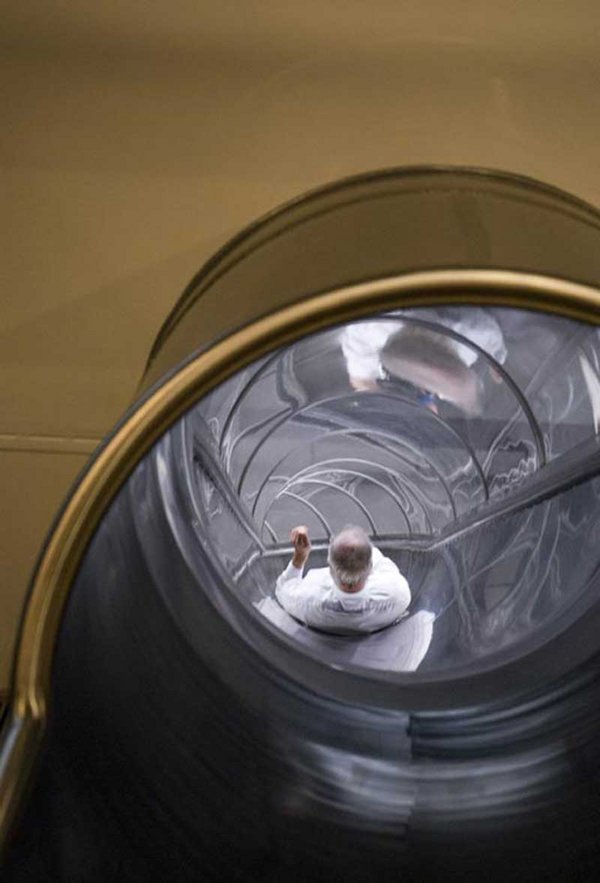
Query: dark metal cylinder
x=177 y=734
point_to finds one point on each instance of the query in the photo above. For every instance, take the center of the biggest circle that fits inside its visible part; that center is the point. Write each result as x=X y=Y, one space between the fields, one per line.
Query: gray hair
x=350 y=555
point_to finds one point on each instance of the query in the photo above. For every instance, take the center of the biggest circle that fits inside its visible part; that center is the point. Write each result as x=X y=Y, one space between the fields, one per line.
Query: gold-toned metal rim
x=55 y=573
x=478 y=176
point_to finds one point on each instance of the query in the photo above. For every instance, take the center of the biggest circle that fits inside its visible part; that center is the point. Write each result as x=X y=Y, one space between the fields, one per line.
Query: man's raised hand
x=301 y=542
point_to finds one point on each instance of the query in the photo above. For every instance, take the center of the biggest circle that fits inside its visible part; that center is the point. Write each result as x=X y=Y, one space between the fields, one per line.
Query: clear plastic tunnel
x=490 y=512
x=449 y=404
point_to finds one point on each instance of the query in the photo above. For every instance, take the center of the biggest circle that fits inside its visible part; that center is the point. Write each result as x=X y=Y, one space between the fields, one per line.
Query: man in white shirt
x=422 y=356
x=362 y=342
x=360 y=591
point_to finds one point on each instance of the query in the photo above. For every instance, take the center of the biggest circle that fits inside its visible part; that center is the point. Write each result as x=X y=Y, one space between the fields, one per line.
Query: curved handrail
x=433 y=326
x=363 y=435
x=313 y=509
x=367 y=477
x=430 y=416
x=345 y=492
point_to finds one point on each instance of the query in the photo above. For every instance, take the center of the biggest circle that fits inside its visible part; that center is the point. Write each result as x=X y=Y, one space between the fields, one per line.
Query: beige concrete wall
x=138 y=137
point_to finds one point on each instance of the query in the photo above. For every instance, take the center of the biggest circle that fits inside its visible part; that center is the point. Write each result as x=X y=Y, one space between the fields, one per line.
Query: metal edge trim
x=435 y=171
x=30 y=696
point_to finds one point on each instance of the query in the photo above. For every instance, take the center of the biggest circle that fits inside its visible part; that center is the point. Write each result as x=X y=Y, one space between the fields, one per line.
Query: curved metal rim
x=132 y=439
x=524 y=182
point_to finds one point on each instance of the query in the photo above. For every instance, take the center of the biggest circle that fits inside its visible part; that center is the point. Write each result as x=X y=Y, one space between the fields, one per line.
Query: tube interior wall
x=195 y=734
x=489 y=511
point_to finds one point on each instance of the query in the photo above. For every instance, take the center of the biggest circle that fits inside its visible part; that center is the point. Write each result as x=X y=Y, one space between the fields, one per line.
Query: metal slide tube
x=160 y=727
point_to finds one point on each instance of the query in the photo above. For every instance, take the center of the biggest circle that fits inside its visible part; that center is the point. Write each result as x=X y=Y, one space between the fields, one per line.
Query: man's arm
x=288 y=588
x=301 y=542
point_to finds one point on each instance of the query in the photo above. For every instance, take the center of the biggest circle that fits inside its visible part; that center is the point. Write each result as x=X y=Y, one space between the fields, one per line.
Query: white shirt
x=316 y=600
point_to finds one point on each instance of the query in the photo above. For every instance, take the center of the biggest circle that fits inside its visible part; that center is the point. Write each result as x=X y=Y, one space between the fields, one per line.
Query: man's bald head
x=350 y=555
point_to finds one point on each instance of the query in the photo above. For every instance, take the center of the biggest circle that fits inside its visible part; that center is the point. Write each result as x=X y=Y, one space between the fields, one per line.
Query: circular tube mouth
x=160 y=408
x=289 y=454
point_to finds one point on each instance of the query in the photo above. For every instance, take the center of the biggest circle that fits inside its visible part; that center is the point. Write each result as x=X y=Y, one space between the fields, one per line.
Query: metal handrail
x=364 y=437
x=451 y=430
x=356 y=474
x=345 y=492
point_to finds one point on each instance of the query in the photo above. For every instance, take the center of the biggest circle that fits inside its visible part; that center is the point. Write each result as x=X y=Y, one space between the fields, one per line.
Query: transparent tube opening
x=463 y=440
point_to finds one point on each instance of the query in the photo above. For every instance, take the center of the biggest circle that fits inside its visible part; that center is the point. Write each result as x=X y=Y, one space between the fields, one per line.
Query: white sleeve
x=288 y=591
x=361 y=345
x=301 y=597
x=290 y=575
x=483 y=329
